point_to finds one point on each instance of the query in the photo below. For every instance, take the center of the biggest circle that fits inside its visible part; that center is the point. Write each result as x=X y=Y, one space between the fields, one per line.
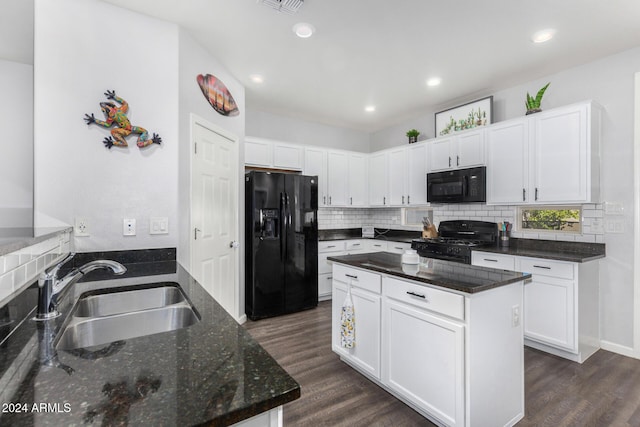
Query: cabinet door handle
x=542 y=266
x=449 y=161
x=329 y=199
x=489 y=259
x=536 y=194
x=408 y=200
x=384 y=200
x=324 y=200
x=457 y=160
x=350 y=200
x=352 y=276
x=524 y=195
x=329 y=277
x=403 y=200
x=413 y=294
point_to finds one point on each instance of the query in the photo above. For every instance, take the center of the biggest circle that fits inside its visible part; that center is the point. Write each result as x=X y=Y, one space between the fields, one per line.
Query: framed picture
x=466 y=116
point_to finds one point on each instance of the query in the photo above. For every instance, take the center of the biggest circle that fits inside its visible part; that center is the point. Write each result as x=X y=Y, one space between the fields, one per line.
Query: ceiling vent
x=286 y=6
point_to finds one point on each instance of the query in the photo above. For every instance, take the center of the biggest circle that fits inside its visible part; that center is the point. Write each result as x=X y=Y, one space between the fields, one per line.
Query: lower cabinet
x=455 y=358
x=424 y=360
x=367 y=306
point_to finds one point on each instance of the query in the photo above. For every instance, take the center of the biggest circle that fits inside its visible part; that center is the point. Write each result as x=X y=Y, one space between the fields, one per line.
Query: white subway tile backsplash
x=6 y=285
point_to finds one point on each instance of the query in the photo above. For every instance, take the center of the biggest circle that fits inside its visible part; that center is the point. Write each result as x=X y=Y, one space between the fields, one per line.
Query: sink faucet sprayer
x=50 y=287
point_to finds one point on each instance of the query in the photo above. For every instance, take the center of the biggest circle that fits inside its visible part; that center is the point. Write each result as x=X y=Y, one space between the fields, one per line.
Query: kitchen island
x=446 y=338
x=210 y=373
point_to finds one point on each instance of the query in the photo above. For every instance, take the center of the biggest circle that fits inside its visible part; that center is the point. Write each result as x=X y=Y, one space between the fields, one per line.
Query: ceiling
x=374 y=52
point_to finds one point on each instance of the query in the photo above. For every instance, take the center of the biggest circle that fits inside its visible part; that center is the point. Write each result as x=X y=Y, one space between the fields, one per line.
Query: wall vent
x=286 y=6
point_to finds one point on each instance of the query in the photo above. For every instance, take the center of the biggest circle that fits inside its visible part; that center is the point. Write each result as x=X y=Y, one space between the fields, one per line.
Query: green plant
x=534 y=103
x=413 y=133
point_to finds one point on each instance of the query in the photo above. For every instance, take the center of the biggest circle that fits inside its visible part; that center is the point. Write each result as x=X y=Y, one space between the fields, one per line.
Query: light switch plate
x=129 y=227
x=159 y=225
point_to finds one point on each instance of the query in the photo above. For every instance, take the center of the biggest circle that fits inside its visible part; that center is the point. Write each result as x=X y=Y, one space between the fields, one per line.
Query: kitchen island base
x=454 y=357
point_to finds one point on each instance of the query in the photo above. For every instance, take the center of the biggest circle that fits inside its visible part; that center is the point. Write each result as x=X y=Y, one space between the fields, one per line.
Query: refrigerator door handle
x=283 y=226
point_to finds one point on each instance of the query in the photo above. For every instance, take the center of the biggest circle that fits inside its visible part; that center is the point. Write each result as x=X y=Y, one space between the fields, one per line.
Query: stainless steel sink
x=112 y=315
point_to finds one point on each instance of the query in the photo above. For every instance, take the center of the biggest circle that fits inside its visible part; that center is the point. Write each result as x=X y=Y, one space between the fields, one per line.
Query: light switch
x=159 y=225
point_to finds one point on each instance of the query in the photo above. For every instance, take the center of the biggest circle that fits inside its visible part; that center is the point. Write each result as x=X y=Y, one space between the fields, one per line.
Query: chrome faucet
x=50 y=288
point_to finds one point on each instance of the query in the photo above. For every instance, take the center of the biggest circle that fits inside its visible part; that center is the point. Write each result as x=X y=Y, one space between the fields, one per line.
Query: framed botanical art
x=467 y=116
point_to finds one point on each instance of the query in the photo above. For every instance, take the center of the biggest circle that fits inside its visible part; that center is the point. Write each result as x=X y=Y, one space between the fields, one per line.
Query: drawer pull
x=331 y=246
x=378 y=246
x=355 y=244
x=398 y=247
x=489 y=259
x=416 y=295
x=329 y=277
x=352 y=276
x=542 y=266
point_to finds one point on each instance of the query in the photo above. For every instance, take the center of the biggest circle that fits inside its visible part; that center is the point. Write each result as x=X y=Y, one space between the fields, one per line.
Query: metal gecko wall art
x=118 y=116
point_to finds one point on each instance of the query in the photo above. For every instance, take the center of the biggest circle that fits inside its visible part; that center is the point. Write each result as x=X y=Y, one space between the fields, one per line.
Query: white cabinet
x=337 y=175
x=397 y=176
x=365 y=294
x=270 y=154
x=358 y=182
x=376 y=245
x=398 y=247
x=561 y=303
x=417 y=174
x=508 y=162
x=566 y=155
x=550 y=157
x=325 y=278
x=457 y=151
x=379 y=179
x=423 y=352
x=315 y=163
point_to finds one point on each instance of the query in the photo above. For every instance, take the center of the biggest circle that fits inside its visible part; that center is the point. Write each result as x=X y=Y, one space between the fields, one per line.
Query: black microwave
x=457 y=186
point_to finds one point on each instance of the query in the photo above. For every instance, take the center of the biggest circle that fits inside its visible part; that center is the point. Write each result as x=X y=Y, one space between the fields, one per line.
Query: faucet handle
x=52 y=272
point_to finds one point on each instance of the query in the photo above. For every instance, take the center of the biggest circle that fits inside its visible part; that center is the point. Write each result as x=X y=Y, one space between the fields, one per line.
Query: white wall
x=83 y=48
x=608 y=81
x=194 y=60
x=16 y=144
x=287 y=129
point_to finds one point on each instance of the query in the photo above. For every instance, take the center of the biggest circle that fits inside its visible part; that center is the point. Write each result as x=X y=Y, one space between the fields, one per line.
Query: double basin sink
x=108 y=315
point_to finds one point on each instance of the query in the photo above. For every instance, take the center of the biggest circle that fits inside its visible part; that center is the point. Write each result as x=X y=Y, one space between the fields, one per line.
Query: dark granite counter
x=446 y=274
x=550 y=249
x=212 y=372
x=14 y=239
x=379 y=233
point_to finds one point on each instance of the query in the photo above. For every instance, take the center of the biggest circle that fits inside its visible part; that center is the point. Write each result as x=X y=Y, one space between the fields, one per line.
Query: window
x=555 y=219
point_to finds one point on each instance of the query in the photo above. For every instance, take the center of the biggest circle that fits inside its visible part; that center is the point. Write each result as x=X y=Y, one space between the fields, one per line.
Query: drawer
x=376 y=245
x=424 y=297
x=545 y=267
x=358 y=278
x=324 y=284
x=331 y=246
x=355 y=245
x=398 y=247
x=488 y=259
x=325 y=266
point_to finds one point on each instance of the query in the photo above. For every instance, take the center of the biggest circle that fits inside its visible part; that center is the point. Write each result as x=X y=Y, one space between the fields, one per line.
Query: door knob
x=234 y=244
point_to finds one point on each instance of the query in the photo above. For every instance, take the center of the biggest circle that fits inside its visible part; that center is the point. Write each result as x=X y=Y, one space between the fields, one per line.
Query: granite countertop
x=405 y=236
x=549 y=249
x=212 y=372
x=14 y=239
x=447 y=274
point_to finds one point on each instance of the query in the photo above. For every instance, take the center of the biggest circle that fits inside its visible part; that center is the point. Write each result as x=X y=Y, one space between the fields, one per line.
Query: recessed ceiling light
x=256 y=78
x=543 y=35
x=370 y=108
x=303 y=30
x=435 y=81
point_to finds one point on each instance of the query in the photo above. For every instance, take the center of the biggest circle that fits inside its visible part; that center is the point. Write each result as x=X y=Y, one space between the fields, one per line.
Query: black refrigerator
x=281 y=248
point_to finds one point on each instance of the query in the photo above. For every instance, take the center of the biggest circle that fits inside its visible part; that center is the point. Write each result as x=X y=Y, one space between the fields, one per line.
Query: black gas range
x=457 y=240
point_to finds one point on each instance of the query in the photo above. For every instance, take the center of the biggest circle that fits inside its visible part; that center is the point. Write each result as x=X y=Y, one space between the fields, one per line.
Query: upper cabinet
x=315 y=163
x=358 y=182
x=266 y=153
x=457 y=151
x=547 y=158
x=379 y=179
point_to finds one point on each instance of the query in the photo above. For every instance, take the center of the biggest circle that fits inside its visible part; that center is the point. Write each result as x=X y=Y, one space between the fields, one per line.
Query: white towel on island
x=348 y=322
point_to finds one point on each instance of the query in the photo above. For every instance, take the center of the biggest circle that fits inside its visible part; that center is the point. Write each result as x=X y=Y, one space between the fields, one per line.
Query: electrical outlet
x=129 y=227
x=515 y=316
x=81 y=227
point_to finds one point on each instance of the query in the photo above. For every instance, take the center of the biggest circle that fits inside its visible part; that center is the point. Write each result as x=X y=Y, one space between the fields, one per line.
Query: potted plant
x=412 y=134
x=533 y=104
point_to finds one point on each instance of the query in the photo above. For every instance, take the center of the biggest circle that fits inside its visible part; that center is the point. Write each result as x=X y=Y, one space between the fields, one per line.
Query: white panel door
x=214 y=261
x=338 y=175
x=397 y=176
x=417 y=174
x=440 y=154
x=561 y=155
x=508 y=163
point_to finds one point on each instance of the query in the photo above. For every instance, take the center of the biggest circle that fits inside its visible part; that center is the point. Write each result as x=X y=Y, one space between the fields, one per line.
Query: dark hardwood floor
x=604 y=391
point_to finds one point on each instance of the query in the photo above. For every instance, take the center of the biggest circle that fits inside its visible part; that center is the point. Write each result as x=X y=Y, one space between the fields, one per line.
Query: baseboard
x=620 y=349
x=242 y=319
